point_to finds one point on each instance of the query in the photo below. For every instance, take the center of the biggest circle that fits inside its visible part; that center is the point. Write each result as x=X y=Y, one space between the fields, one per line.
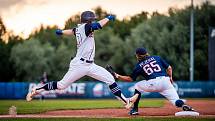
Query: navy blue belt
x=87 y=61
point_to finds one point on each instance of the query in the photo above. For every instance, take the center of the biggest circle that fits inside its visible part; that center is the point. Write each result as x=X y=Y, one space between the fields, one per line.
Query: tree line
x=166 y=35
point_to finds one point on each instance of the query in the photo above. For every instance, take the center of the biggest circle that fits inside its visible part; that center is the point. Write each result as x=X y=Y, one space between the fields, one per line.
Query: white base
x=187 y=113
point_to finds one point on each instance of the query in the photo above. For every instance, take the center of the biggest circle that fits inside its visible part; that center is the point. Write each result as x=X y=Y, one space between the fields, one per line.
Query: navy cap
x=141 y=51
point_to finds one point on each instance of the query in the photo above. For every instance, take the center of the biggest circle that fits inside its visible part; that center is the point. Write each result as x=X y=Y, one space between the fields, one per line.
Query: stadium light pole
x=191 y=43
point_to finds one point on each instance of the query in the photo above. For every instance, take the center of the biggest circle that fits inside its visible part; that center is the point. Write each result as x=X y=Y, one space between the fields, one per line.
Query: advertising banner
x=92 y=90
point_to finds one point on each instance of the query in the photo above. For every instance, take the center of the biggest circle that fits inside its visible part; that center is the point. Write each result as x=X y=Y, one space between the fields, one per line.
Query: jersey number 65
x=151 y=68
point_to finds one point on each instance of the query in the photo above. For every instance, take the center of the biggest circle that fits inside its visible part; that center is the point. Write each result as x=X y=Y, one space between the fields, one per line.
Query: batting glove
x=59 y=32
x=111 y=17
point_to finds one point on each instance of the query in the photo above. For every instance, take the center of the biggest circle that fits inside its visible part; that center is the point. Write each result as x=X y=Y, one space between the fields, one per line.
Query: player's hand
x=59 y=32
x=116 y=75
x=111 y=17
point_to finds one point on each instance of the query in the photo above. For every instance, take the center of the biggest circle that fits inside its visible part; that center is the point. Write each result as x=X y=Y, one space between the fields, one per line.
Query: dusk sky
x=23 y=16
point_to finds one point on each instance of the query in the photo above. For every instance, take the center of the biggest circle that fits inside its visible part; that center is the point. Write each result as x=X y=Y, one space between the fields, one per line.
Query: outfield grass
x=112 y=119
x=37 y=106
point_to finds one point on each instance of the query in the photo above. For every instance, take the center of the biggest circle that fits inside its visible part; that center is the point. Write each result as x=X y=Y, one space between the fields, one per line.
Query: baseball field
x=101 y=109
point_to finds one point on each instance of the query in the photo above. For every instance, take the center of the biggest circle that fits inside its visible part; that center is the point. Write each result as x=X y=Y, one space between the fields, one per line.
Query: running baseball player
x=158 y=75
x=83 y=63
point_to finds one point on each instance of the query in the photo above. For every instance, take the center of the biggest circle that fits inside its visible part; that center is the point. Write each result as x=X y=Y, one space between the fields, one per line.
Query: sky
x=23 y=16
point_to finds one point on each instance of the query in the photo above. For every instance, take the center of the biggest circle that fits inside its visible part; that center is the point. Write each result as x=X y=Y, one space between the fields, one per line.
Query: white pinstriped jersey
x=85 y=44
x=86 y=50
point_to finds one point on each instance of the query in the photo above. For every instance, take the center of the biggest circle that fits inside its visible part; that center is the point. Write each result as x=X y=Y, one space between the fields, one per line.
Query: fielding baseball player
x=83 y=63
x=158 y=75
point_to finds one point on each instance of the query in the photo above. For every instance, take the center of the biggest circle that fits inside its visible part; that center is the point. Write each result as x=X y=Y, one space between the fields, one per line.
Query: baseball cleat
x=133 y=111
x=130 y=101
x=31 y=94
x=187 y=108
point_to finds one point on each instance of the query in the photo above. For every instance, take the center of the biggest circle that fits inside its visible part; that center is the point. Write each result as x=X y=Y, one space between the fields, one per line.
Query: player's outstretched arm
x=104 y=21
x=123 y=78
x=64 y=32
x=109 y=68
x=98 y=25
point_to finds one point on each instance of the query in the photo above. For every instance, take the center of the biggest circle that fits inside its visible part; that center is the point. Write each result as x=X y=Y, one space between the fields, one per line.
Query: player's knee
x=137 y=86
x=109 y=80
x=179 y=103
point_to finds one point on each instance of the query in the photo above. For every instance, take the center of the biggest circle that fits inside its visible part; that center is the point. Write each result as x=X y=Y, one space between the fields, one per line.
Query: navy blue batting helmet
x=87 y=16
x=141 y=51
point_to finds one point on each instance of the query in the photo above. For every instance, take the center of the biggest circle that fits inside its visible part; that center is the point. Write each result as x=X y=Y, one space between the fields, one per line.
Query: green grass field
x=37 y=106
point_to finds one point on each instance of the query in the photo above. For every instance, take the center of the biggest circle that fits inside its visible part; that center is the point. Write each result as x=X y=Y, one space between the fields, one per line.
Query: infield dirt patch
x=204 y=107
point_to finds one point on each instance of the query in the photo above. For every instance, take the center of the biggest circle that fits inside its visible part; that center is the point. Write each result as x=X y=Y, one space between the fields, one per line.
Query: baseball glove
x=110 y=69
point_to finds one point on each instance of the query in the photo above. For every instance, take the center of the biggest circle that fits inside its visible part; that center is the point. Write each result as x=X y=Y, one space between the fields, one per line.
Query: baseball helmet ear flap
x=88 y=16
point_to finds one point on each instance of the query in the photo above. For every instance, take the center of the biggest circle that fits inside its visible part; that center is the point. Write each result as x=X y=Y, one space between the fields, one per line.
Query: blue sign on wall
x=18 y=90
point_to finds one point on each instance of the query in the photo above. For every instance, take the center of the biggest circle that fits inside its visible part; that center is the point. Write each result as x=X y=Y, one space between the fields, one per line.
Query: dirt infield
x=204 y=107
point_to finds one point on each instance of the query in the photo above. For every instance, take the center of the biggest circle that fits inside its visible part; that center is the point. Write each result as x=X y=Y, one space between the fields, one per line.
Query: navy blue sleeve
x=89 y=28
x=136 y=72
x=96 y=26
x=164 y=63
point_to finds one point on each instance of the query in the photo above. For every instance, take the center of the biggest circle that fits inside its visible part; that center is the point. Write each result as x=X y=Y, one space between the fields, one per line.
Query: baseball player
x=158 y=75
x=83 y=63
